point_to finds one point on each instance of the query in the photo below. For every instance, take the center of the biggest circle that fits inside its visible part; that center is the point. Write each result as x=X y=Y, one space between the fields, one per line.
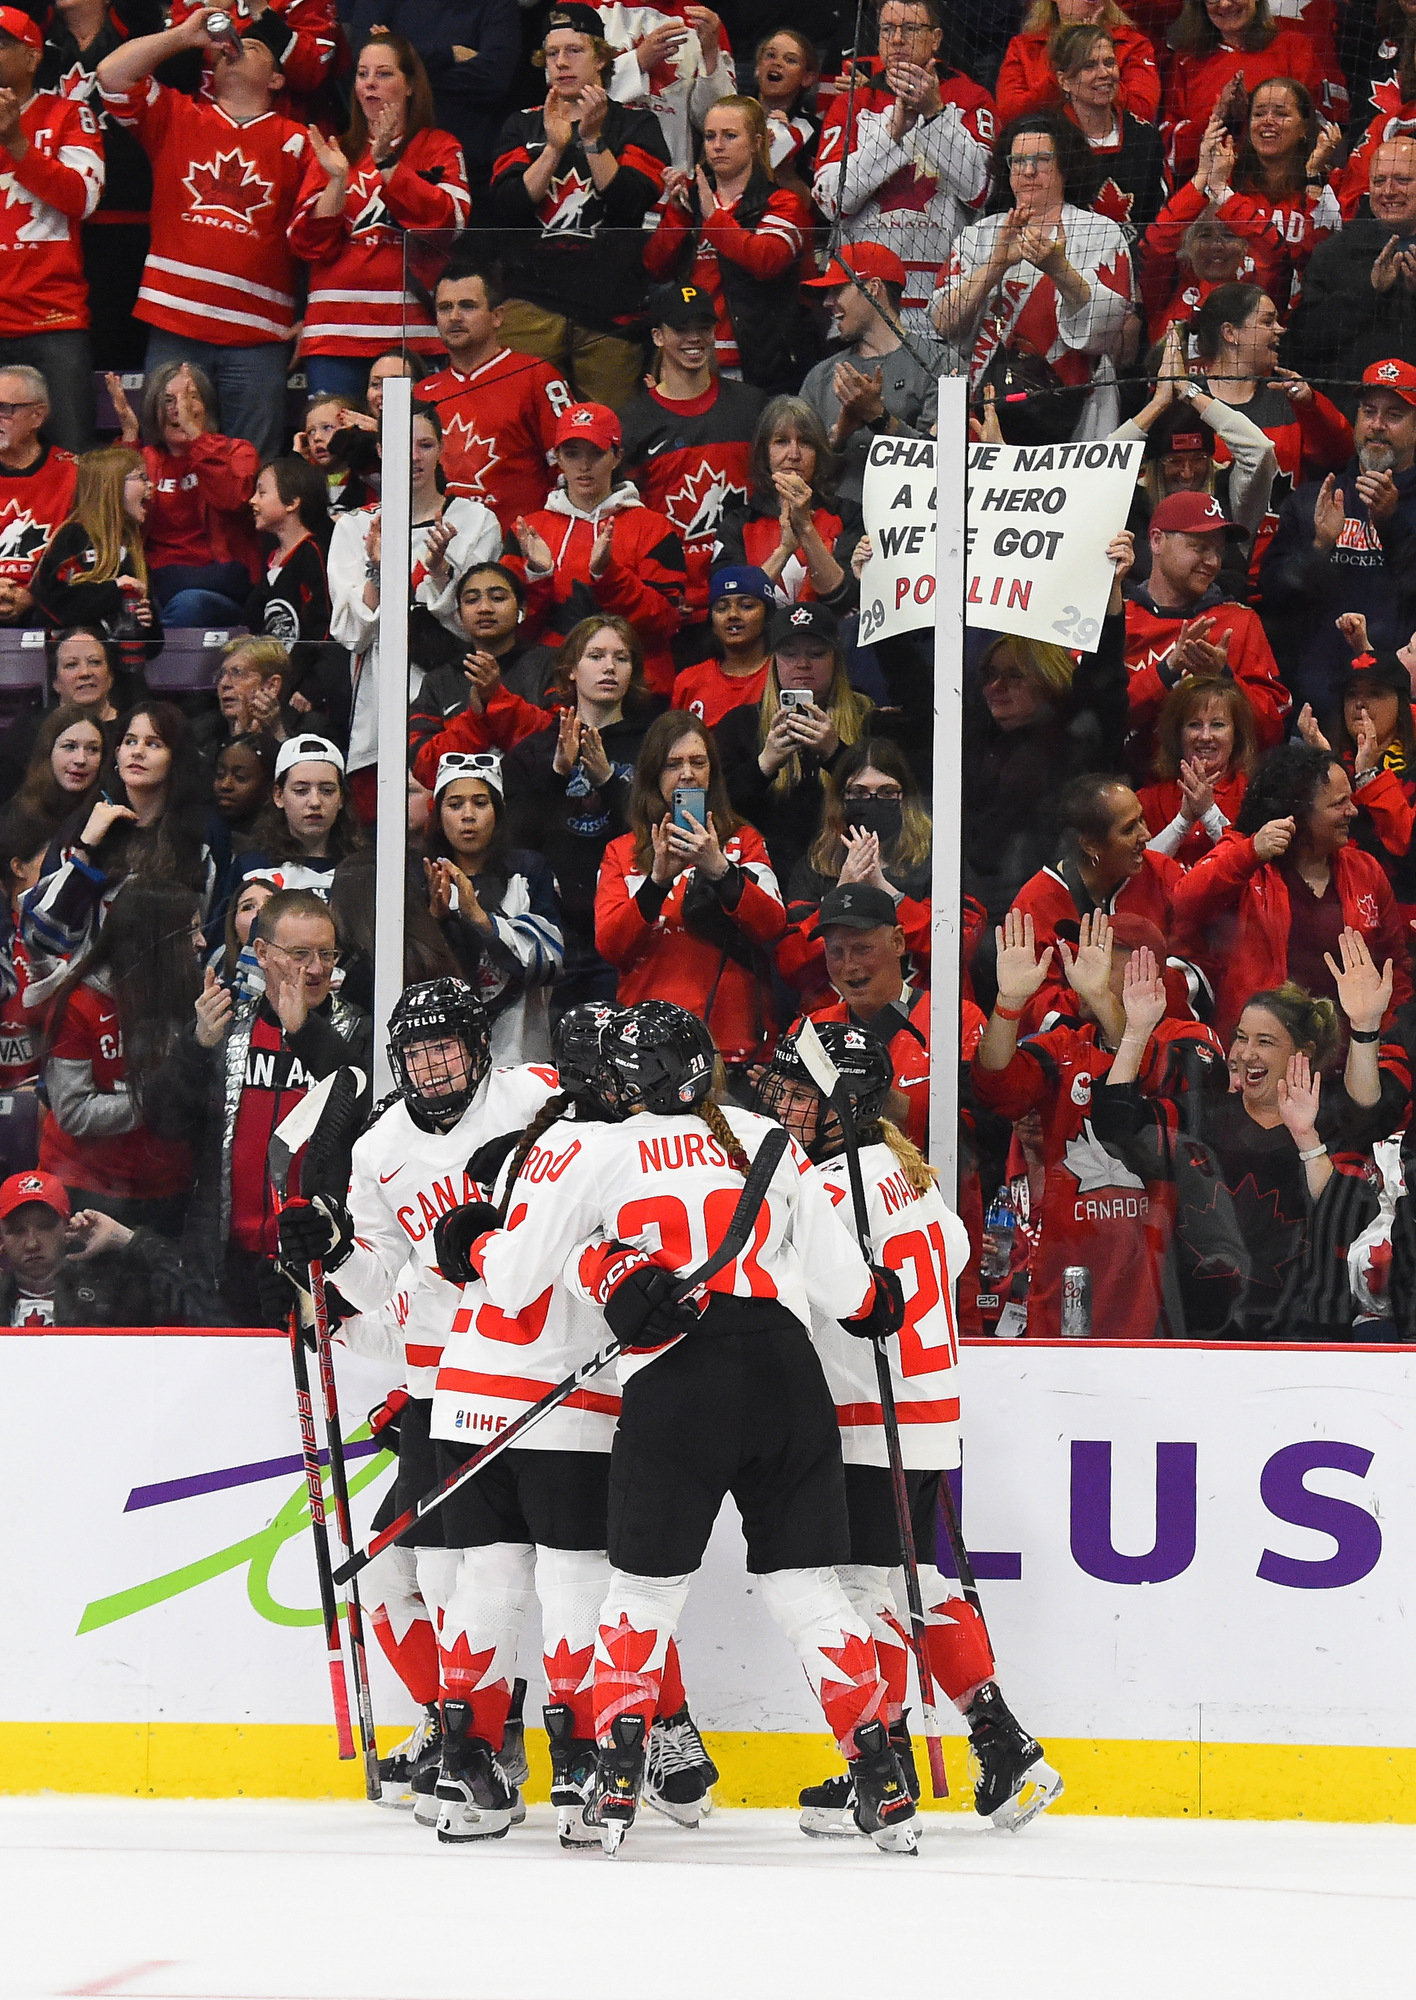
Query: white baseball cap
x=308 y=750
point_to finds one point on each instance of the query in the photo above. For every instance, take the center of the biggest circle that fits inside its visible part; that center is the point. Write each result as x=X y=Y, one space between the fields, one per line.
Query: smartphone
x=795 y=698
x=690 y=800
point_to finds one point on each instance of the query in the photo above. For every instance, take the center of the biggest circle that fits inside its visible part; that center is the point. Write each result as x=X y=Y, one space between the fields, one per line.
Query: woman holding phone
x=687 y=906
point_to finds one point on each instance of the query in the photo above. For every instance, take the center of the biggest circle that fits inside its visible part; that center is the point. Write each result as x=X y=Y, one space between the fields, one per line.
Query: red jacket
x=1026 y=81
x=1046 y=898
x=707 y=692
x=1161 y=802
x=200 y=511
x=643 y=581
x=1197 y=83
x=1243 y=903
x=659 y=958
x=1095 y=1210
x=1162 y=294
x=503 y=721
x=1150 y=637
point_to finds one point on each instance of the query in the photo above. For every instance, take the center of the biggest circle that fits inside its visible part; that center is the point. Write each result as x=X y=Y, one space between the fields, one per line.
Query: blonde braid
x=722 y=1131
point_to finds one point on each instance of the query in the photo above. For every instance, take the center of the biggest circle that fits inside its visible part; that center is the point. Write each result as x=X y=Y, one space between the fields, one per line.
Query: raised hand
x=213 y=1008
x=1329 y=515
x=1369 y=754
x=1019 y=970
x=593 y=104
x=1298 y=1102
x=1353 y=627
x=534 y=549
x=559 y=120
x=122 y=410
x=435 y=549
x=1089 y=972
x=861 y=555
x=1387 y=266
x=602 y=546
x=594 y=759
x=1293 y=386
x=862 y=860
x=329 y=155
x=696 y=846
x=104 y=816
x=1143 y=996
x=1363 y=993
x=1308 y=728
x=567 y=744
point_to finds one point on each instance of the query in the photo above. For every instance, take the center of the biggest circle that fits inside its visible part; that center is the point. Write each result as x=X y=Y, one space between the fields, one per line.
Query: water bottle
x=996 y=1257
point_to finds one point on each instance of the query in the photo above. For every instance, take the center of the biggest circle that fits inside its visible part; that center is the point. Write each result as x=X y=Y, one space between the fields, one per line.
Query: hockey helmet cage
x=663 y=1056
x=866 y=1070
x=439 y=1010
x=578 y=1051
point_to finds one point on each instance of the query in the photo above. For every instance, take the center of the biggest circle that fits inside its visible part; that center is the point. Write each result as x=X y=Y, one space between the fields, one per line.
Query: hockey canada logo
x=1093 y=1167
x=1387 y=371
x=697 y=508
x=801 y=616
x=227 y=187
x=22 y=540
x=563 y=211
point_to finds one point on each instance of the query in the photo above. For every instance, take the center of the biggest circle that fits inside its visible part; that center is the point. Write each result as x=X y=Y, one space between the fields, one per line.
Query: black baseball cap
x=1383 y=672
x=858 y=906
x=680 y=306
x=811 y=618
x=581 y=19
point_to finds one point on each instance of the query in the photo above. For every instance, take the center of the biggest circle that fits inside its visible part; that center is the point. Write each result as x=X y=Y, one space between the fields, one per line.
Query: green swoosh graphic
x=258 y=1551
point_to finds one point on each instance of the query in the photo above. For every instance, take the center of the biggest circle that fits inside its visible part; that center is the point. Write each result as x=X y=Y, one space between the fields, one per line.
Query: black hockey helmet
x=663 y=1056
x=435 y=1011
x=578 y=1050
x=785 y=1089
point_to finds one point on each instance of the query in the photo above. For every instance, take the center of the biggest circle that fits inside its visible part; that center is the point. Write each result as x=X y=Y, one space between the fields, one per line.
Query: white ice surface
x=246 y=1900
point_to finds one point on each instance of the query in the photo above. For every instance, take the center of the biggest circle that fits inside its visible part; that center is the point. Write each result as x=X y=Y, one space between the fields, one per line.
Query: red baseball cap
x=20 y=28
x=1398 y=376
x=594 y=421
x=864 y=260
x=1193 y=514
x=21 y=1188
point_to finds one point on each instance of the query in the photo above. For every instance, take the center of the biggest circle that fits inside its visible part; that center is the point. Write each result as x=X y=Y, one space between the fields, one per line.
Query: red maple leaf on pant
x=624 y=1683
x=851 y=1690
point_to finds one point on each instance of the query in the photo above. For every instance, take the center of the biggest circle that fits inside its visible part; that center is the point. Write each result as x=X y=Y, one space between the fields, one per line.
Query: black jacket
x=143 y=1284
x=1342 y=325
x=468 y=97
x=788 y=821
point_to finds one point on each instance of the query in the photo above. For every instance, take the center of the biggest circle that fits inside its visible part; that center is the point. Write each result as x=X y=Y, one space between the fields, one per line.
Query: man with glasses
x=1359 y=288
x=237 y=1071
x=36 y=489
x=916 y=153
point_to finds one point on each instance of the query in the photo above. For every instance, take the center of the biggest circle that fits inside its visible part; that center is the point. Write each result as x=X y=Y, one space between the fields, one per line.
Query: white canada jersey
x=403 y=1179
x=664 y=1185
x=922 y=1239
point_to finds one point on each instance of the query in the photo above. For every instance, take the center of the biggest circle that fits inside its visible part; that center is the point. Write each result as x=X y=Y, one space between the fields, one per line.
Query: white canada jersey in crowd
x=496 y=1364
x=403 y=1179
x=664 y=1185
x=922 y=1239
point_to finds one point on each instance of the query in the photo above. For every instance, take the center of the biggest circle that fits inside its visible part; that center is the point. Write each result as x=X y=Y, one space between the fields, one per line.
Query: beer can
x=222 y=28
x=1076 y=1302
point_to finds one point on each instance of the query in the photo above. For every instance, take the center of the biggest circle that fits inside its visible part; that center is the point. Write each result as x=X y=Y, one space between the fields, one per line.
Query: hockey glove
x=641 y=1313
x=316 y=1232
x=277 y=1295
x=455 y=1233
x=885 y=1314
x=386 y=1417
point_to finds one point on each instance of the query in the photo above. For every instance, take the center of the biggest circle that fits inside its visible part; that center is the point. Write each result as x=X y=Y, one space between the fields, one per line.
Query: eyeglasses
x=13 y=409
x=905 y=31
x=853 y=797
x=305 y=955
x=1031 y=163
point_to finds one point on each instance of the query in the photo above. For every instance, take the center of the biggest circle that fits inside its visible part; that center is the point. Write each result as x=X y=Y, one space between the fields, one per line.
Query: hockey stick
x=754 y=1193
x=828 y=1081
x=323 y=1126
x=278 y=1166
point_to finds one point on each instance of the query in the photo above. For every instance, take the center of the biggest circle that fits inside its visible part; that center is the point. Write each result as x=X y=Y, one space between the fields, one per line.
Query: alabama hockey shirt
x=32 y=505
x=403 y=1179
x=224 y=191
x=48 y=194
x=916 y=1236
x=498 y=430
x=691 y=462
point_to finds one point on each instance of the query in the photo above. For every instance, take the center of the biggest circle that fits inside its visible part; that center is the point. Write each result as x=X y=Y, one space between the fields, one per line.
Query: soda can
x=1076 y=1302
x=222 y=28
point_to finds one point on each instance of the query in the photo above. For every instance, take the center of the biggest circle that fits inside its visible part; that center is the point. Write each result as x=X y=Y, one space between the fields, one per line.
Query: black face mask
x=882 y=817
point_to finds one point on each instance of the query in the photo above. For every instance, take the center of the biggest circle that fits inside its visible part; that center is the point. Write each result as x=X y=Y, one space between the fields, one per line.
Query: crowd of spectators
x=659 y=277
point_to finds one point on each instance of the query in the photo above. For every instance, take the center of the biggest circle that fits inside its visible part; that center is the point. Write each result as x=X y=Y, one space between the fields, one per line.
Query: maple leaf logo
x=566 y=1672
x=563 y=209
x=1115 y=202
x=1387 y=97
x=77 y=82
x=851 y=1690
x=1093 y=1166
x=698 y=506
x=1241 y=1235
x=467 y=456
x=908 y=189
x=464 y=1671
x=629 y=1684
x=22 y=538
x=228 y=185
x=1116 y=275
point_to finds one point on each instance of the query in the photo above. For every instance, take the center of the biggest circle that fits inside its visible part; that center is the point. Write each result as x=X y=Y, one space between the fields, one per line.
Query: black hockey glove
x=385 y=1418
x=886 y=1312
x=316 y=1232
x=640 y=1313
x=277 y=1294
x=456 y=1232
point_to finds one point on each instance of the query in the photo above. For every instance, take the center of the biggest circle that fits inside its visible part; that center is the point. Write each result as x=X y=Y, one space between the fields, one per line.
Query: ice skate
x=475 y=1799
x=396 y=1770
x=423 y=1777
x=883 y=1807
x=572 y=1777
x=1013 y=1781
x=678 y=1771
x=512 y=1755
x=904 y=1750
x=828 y=1809
x=619 y=1779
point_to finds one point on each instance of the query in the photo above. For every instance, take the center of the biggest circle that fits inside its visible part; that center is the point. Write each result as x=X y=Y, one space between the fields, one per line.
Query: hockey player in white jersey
x=719 y=1394
x=410 y=1168
x=914 y=1233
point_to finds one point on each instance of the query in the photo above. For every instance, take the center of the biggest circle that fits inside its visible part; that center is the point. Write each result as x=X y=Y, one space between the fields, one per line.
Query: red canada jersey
x=498 y=429
x=223 y=193
x=1096 y=1211
x=32 y=505
x=47 y=196
x=357 y=303
x=692 y=463
x=1151 y=634
x=19 y=1027
x=768 y=250
x=311 y=47
x=134 y=1163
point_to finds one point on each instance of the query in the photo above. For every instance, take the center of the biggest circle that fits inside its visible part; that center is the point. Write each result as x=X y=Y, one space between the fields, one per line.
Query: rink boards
x=1196 y=1563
